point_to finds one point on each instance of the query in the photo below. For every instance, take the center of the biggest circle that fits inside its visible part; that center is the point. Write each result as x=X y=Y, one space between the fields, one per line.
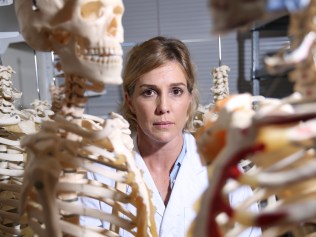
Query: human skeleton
x=86 y=35
x=279 y=140
x=14 y=125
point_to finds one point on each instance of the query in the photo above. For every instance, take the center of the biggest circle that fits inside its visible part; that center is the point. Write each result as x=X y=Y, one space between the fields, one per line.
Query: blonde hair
x=150 y=55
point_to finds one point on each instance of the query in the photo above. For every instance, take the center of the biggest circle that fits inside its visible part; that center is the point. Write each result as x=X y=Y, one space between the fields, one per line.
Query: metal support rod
x=219 y=51
x=36 y=75
x=255 y=62
x=53 y=63
x=1 y=61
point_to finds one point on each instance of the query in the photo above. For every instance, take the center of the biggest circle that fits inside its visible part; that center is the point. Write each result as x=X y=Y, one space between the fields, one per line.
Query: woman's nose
x=162 y=105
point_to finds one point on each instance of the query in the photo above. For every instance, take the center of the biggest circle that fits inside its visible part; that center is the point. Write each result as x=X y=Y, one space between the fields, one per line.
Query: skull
x=86 y=34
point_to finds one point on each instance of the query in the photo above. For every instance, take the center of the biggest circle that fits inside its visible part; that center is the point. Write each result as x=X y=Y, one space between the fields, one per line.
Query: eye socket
x=91 y=10
x=118 y=10
x=34 y=6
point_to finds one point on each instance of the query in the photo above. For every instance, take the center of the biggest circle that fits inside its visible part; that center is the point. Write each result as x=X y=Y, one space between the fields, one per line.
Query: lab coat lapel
x=185 y=192
x=159 y=204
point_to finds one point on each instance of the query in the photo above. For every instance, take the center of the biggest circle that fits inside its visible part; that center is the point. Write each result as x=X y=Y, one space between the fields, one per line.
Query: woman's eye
x=148 y=92
x=177 y=91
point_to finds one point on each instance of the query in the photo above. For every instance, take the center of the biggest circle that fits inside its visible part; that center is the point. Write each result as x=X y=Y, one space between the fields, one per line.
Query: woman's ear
x=129 y=102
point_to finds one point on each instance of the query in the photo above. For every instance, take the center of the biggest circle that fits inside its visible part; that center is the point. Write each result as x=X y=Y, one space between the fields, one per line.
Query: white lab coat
x=192 y=179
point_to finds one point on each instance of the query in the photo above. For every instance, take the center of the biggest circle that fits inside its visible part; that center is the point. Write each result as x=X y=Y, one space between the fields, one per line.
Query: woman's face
x=160 y=102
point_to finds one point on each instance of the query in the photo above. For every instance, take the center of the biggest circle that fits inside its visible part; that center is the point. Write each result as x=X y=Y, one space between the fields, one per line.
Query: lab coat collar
x=190 y=182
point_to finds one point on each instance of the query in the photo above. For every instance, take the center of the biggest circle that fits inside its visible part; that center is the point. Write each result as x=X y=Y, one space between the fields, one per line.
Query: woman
x=161 y=99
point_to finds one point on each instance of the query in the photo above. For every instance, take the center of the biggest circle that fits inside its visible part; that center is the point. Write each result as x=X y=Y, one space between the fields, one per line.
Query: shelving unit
x=7 y=38
x=274 y=28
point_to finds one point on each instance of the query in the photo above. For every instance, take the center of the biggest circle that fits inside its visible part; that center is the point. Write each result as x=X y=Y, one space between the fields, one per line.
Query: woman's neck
x=159 y=159
x=160 y=156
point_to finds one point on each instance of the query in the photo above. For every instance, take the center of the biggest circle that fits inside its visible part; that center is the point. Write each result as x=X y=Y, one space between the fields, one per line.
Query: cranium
x=86 y=34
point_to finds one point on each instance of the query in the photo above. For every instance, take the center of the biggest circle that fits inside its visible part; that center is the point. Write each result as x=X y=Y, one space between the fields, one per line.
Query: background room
x=187 y=20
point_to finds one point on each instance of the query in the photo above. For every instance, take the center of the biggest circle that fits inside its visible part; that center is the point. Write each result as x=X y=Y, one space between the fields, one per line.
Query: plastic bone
x=86 y=35
x=11 y=119
x=14 y=124
x=228 y=15
x=12 y=158
x=280 y=142
x=40 y=112
x=58 y=96
x=299 y=60
x=286 y=61
x=220 y=86
x=220 y=90
x=8 y=95
x=6 y=72
x=92 y=153
x=89 y=36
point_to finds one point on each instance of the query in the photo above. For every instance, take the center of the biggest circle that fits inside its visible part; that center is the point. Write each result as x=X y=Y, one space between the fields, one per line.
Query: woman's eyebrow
x=154 y=86
x=147 y=85
x=178 y=84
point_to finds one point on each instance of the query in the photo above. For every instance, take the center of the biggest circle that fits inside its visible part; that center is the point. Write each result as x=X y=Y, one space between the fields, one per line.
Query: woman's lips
x=163 y=124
